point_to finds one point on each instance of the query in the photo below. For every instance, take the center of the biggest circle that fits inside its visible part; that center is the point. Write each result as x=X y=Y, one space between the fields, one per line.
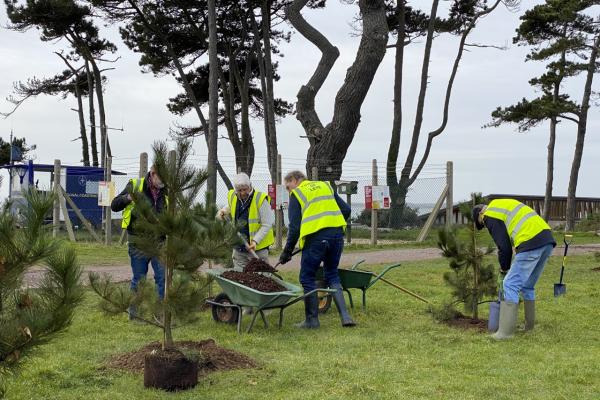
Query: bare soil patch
x=466 y=323
x=214 y=358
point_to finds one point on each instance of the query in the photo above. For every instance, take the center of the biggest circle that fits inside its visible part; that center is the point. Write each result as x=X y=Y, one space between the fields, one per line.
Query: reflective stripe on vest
x=319 y=208
x=127 y=211
x=253 y=217
x=522 y=222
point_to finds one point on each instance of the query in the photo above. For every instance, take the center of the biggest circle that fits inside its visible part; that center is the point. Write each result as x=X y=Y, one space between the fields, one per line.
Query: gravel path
x=123 y=272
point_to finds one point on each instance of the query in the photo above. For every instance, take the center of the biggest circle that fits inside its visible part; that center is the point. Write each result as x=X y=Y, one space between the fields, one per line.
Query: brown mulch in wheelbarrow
x=464 y=322
x=258 y=265
x=213 y=357
x=255 y=281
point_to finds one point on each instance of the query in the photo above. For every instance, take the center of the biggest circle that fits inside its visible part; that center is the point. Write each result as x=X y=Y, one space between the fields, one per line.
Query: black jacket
x=121 y=201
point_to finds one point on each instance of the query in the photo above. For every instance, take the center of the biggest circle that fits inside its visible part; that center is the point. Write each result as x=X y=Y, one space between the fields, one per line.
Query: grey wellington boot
x=529 y=315
x=340 y=303
x=311 y=312
x=508 y=321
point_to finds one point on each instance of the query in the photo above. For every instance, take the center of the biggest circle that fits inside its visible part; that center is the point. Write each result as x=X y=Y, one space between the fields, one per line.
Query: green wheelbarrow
x=227 y=306
x=355 y=278
x=351 y=279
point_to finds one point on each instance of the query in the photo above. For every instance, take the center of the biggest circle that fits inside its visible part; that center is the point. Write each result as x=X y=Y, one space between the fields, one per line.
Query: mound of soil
x=254 y=281
x=597 y=269
x=214 y=358
x=258 y=265
x=465 y=322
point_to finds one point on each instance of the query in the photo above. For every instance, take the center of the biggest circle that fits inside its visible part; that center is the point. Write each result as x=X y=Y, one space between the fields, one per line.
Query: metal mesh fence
x=420 y=200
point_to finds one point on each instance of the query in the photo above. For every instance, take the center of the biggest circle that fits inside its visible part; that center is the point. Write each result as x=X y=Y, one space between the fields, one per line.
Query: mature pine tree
x=73 y=22
x=31 y=317
x=557 y=34
x=470 y=278
x=183 y=237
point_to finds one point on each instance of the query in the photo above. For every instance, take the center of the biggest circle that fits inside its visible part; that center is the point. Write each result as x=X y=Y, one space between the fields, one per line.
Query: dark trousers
x=321 y=247
x=139 y=268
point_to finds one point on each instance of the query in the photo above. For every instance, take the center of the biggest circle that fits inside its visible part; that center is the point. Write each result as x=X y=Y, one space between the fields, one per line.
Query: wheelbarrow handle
x=357 y=264
x=382 y=273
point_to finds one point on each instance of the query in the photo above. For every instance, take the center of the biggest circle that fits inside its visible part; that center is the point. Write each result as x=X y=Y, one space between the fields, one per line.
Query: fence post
x=373 y=211
x=143 y=165
x=56 y=189
x=449 y=200
x=108 y=211
x=278 y=210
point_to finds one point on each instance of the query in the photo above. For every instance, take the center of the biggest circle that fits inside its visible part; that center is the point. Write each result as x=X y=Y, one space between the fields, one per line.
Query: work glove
x=286 y=255
x=222 y=213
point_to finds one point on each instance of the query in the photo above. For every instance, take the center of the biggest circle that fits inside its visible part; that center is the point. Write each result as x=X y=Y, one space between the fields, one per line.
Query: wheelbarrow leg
x=280 y=317
x=253 y=321
x=239 y=321
x=262 y=315
x=350 y=298
x=364 y=294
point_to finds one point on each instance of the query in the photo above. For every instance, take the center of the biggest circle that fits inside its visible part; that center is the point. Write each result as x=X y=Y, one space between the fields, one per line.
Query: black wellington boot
x=311 y=311
x=340 y=303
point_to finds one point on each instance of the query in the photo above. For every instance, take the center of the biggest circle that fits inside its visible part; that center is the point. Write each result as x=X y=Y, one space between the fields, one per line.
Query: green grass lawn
x=396 y=352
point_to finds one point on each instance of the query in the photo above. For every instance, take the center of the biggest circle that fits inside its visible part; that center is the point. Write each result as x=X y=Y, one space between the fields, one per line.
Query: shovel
x=560 y=288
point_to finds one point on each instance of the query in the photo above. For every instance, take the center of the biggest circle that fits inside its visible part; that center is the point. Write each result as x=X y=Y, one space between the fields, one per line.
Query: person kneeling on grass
x=513 y=224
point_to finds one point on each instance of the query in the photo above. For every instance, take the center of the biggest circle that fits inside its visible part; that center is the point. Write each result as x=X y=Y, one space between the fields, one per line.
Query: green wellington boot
x=529 y=315
x=508 y=320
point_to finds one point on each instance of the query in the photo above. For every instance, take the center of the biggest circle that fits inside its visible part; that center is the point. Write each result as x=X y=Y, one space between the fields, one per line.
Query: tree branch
x=305 y=108
x=433 y=134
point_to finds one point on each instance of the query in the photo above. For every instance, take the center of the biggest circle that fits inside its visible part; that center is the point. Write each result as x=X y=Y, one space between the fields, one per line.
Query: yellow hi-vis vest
x=319 y=208
x=522 y=222
x=138 y=186
x=253 y=216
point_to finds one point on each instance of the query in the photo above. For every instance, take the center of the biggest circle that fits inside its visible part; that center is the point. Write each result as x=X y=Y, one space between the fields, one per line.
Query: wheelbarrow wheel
x=324 y=299
x=228 y=315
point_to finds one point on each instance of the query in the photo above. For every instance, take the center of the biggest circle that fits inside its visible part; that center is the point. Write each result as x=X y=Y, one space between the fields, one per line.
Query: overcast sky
x=498 y=160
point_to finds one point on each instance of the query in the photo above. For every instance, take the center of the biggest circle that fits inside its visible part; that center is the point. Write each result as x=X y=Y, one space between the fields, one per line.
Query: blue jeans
x=139 y=267
x=321 y=248
x=524 y=273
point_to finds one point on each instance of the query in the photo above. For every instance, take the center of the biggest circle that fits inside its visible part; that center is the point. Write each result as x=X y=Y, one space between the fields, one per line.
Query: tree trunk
x=84 y=140
x=406 y=179
x=244 y=160
x=550 y=170
x=328 y=145
x=269 y=94
x=94 y=143
x=552 y=139
x=396 y=209
x=104 y=146
x=213 y=101
x=581 y=130
x=82 y=131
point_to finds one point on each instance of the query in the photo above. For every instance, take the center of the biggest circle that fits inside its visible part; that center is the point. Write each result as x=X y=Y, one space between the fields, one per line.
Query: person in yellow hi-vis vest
x=153 y=189
x=512 y=224
x=251 y=210
x=317 y=219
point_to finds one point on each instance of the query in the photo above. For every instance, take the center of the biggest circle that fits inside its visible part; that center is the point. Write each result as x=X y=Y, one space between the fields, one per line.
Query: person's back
x=513 y=224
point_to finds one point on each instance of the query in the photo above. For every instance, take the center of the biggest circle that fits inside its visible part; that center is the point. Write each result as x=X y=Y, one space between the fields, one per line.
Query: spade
x=560 y=288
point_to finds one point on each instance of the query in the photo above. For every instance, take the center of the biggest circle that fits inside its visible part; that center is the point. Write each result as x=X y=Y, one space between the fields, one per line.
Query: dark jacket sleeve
x=502 y=240
x=344 y=207
x=295 y=218
x=121 y=201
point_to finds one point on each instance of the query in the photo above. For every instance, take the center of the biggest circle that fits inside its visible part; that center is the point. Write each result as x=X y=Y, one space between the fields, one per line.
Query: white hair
x=241 y=180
